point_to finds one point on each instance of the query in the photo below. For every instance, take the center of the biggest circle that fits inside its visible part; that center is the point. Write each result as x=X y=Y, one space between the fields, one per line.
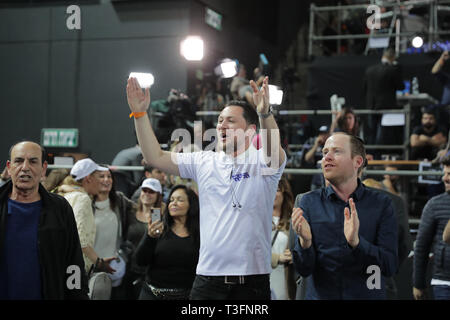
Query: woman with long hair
x=282 y=287
x=112 y=212
x=149 y=201
x=170 y=249
x=346 y=121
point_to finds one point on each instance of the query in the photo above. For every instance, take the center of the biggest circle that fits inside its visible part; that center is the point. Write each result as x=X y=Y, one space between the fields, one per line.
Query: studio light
x=145 y=80
x=417 y=42
x=226 y=69
x=192 y=48
x=276 y=95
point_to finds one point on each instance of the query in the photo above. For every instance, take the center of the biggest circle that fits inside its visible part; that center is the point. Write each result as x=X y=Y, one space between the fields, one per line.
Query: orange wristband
x=137 y=115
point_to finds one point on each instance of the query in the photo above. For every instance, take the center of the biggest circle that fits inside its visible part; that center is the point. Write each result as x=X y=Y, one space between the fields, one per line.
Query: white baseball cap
x=83 y=168
x=152 y=183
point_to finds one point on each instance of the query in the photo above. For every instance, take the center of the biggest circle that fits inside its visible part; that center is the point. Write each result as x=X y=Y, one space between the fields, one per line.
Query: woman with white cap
x=77 y=189
x=150 y=200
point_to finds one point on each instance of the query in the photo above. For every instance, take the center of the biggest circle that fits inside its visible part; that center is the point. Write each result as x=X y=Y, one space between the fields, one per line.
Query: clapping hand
x=301 y=227
x=351 y=224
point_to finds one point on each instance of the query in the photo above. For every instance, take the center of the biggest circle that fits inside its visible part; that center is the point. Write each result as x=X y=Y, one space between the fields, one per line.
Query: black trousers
x=256 y=287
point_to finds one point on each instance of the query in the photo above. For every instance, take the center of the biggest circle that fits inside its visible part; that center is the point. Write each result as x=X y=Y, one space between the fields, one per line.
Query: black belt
x=237 y=279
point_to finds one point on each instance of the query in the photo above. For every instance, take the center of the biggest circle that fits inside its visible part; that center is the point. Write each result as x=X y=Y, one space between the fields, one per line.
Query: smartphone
x=156 y=215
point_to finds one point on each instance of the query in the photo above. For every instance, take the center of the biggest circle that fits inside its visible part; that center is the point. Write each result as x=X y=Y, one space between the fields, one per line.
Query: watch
x=265 y=115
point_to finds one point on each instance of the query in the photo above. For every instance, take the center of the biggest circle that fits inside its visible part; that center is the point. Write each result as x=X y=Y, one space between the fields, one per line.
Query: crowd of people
x=222 y=224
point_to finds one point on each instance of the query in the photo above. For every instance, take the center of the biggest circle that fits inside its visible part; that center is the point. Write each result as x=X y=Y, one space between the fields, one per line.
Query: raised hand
x=137 y=99
x=261 y=97
x=351 y=224
x=301 y=227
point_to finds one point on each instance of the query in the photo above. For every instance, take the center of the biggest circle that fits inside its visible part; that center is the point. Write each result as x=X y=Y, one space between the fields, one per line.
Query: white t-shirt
x=233 y=241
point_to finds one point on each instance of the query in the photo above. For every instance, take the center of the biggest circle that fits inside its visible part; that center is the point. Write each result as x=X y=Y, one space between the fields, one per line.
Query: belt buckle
x=240 y=281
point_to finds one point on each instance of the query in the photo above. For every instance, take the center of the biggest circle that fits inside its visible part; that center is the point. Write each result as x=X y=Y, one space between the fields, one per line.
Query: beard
x=428 y=126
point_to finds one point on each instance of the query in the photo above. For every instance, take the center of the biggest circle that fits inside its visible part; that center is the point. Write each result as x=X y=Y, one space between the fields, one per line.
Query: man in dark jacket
x=40 y=252
x=381 y=83
x=435 y=216
x=345 y=244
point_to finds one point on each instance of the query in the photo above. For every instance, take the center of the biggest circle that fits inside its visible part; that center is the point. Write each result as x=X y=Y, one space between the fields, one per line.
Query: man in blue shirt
x=347 y=234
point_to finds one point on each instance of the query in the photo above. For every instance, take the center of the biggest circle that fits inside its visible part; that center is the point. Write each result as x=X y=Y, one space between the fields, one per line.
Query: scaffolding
x=396 y=14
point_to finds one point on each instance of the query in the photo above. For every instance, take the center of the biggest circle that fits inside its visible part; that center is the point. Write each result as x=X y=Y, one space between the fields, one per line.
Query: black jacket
x=381 y=83
x=58 y=245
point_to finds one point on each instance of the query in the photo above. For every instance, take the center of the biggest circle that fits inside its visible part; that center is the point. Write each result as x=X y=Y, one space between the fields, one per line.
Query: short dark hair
x=389 y=53
x=43 y=151
x=148 y=168
x=429 y=110
x=249 y=113
x=446 y=159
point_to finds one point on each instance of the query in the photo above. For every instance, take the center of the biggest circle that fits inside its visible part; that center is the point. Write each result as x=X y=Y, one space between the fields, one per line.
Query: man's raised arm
x=151 y=150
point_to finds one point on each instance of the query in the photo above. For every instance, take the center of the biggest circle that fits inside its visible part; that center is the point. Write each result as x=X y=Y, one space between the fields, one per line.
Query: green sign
x=59 y=138
x=213 y=19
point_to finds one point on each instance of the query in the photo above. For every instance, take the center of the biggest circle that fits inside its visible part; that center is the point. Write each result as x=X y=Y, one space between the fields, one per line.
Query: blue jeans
x=441 y=292
x=214 y=288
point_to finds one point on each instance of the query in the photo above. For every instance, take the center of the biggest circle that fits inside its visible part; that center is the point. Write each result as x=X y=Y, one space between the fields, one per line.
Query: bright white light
x=192 y=48
x=276 y=95
x=145 y=80
x=229 y=69
x=417 y=42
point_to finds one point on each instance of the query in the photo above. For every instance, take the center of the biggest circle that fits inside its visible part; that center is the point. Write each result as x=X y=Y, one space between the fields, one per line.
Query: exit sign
x=213 y=19
x=59 y=138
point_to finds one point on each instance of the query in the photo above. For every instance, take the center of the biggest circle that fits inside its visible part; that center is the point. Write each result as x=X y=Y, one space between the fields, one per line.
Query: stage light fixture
x=275 y=95
x=417 y=42
x=146 y=80
x=226 y=69
x=192 y=48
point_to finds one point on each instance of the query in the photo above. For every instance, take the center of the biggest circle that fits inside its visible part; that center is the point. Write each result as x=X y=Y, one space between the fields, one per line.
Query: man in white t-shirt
x=237 y=187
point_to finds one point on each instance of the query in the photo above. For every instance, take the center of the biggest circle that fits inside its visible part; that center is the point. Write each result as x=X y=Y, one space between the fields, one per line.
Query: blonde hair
x=372 y=183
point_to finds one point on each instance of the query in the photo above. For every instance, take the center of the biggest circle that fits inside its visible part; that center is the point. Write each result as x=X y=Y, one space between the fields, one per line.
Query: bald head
x=29 y=144
x=27 y=168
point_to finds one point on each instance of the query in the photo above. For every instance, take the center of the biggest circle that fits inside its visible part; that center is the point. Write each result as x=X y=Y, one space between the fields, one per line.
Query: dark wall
x=53 y=77
x=249 y=29
x=344 y=75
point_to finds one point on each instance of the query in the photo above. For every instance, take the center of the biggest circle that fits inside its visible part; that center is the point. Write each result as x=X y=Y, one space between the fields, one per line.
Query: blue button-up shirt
x=338 y=271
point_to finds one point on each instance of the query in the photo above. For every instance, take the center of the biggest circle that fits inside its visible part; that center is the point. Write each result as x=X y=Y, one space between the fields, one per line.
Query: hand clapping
x=301 y=227
x=351 y=224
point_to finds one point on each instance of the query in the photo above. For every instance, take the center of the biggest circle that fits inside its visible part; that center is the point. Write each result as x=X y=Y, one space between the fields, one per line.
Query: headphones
x=233 y=194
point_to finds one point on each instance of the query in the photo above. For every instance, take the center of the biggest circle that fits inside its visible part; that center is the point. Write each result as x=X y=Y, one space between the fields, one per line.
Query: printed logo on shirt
x=240 y=176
